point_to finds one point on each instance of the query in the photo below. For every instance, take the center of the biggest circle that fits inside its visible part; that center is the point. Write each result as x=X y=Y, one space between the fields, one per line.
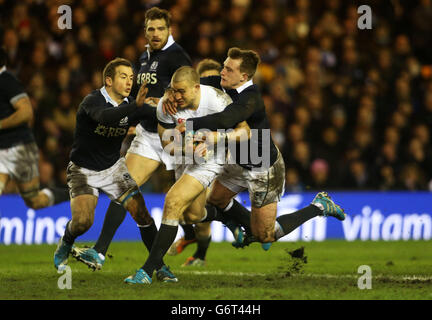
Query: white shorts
x=147 y=144
x=114 y=181
x=204 y=173
x=21 y=162
x=264 y=187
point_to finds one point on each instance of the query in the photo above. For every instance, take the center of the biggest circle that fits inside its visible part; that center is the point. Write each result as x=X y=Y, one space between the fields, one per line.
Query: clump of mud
x=294 y=263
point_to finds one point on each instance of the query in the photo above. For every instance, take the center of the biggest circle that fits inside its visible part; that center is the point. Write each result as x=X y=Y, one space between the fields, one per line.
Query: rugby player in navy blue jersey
x=156 y=66
x=19 y=154
x=103 y=120
x=263 y=174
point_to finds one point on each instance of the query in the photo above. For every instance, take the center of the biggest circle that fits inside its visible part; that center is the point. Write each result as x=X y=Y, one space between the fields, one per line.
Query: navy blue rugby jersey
x=248 y=106
x=101 y=126
x=11 y=90
x=156 y=68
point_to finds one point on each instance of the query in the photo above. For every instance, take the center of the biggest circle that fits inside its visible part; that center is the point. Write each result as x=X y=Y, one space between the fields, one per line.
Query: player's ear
x=244 y=77
x=108 y=81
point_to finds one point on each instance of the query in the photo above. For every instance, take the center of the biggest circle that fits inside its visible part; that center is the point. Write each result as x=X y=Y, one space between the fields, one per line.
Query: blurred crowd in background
x=349 y=108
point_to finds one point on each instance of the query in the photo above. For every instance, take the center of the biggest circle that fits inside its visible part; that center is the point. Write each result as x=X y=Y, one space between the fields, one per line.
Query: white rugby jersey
x=212 y=101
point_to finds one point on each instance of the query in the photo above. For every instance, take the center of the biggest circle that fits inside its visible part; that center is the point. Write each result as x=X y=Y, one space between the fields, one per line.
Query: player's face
x=231 y=76
x=123 y=81
x=157 y=33
x=185 y=93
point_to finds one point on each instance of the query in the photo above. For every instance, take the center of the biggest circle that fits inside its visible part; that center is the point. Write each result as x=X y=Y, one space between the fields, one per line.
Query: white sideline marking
x=409 y=278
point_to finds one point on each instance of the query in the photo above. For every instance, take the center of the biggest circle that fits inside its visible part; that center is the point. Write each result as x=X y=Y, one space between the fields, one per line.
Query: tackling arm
x=233 y=114
x=241 y=133
x=23 y=114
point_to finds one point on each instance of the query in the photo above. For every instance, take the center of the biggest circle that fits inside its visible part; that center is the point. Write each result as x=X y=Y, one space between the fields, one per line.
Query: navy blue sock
x=164 y=239
x=213 y=213
x=68 y=237
x=113 y=219
x=189 y=232
x=148 y=235
x=238 y=214
x=290 y=222
x=201 y=250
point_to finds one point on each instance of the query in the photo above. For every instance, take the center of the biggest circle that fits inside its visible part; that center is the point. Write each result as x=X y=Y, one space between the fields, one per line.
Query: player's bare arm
x=23 y=114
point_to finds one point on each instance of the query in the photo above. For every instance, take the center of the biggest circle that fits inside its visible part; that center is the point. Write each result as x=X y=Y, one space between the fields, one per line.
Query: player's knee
x=219 y=202
x=173 y=206
x=191 y=218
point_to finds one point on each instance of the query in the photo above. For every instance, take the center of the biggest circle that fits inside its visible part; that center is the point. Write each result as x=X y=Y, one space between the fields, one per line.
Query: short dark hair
x=3 y=57
x=208 y=64
x=156 y=13
x=186 y=73
x=110 y=68
x=250 y=60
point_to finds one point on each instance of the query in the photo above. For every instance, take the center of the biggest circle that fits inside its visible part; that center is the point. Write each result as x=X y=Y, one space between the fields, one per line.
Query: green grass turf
x=400 y=270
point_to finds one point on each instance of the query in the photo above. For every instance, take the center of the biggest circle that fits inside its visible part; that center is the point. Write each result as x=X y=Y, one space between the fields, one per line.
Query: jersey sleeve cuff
x=14 y=99
x=167 y=125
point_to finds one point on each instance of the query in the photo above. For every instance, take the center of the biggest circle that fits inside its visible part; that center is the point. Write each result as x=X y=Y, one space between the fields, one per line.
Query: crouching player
x=186 y=199
x=103 y=120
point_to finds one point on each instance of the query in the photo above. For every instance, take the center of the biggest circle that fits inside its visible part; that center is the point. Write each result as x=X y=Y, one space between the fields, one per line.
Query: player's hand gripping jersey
x=212 y=101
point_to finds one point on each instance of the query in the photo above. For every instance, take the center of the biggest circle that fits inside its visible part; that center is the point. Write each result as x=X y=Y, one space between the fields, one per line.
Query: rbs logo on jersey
x=109 y=131
x=149 y=78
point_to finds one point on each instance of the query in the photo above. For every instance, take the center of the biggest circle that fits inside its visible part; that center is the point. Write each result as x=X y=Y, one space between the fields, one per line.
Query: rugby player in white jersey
x=186 y=199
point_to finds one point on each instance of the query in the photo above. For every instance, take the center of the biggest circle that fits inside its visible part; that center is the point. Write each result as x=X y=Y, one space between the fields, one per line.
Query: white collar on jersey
x=169 y=43
x=108 y=99
x=3 y=69
x=244 y=86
